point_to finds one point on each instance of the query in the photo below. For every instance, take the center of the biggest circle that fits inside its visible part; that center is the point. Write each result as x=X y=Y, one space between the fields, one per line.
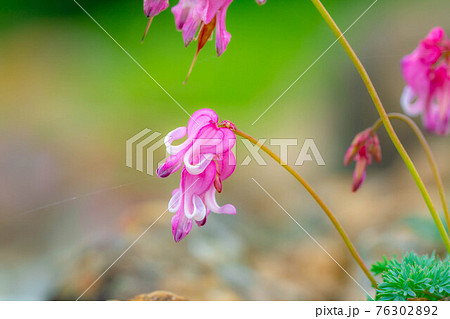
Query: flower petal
x=214 y=140
x=181 y=13
x=199 y=212
x=172 y=164
x=175 y=201
x=200 y=119
x=194 y=208
x=210 y=200
x=198 y=168
x=181 y=226
x=227 y=165
x=154 y=7
x=190 y=28
x=359 y=174
x=202 y=222
x=198 y=184
x=176 y=134
x=411 y=103
x=222 y=36
x=436 y=122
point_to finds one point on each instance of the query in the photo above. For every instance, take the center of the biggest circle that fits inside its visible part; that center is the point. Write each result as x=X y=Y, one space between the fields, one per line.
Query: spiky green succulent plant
x=413 y=277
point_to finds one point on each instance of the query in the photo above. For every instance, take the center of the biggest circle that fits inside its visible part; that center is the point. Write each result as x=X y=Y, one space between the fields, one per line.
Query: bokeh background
x=70 y=98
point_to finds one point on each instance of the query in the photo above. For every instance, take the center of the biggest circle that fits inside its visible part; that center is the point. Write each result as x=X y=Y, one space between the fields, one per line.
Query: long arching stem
x=385 y=119
x=429 y=154
x=319 y=201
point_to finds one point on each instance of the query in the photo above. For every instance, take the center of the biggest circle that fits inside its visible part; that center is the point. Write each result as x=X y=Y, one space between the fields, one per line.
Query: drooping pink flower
x=190 y=15
x=427 y=74
x=206 y=160
x=206 y=15
x=196 y=17
x=153 y=8
x=364 y=147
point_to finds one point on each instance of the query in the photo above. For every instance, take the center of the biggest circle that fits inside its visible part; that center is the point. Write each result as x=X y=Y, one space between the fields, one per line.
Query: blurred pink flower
x=427 y=74
x=196 y=17
x=364 y=147
x=153 y=8
x=206 y=15
x=190 y=15
x=206 y=160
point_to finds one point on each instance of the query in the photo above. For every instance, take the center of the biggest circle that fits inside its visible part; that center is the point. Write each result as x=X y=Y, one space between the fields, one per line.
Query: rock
x=159 y=295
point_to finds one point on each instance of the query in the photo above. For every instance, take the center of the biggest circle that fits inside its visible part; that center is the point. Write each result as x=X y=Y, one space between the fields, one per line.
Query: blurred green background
x=70 y=98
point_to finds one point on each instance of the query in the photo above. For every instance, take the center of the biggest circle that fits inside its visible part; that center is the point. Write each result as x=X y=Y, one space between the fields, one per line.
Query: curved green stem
x=430 y=157
x=385 y=119
x=319 y=201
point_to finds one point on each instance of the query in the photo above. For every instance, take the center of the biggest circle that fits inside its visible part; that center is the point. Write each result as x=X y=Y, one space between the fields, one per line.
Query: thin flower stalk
x=426 y=147
x=385 y=119
x=319 y=201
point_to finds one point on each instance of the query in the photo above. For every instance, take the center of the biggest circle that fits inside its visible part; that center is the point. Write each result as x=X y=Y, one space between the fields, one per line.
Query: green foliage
x=414 y=277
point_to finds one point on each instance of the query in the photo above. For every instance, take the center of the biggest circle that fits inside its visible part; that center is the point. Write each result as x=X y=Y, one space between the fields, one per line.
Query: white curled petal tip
x=175 y=201
x=197 y=168
x=199 y=212
x=410 y=102
x=211 y=203
x=176 y=134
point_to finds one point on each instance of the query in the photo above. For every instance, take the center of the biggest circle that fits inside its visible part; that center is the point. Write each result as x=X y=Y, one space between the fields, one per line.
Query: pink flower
x=193 y=17
x=192 y=14
x=153 y=8
x=206 y=15
x=365 y=146
x=206 y=159
x=427 y=75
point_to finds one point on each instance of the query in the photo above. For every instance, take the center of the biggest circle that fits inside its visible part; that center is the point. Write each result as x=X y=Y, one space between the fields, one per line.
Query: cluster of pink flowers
x=206 y=160
x=427 y=75
x=364 y=147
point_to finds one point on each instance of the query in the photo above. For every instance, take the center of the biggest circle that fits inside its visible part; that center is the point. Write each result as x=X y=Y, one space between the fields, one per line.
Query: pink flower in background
x=190 y=15
x=206 y=160
x=153 y=8
x=206 y=15
x=365 y=146
x=196 y=17
x=427 y=75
